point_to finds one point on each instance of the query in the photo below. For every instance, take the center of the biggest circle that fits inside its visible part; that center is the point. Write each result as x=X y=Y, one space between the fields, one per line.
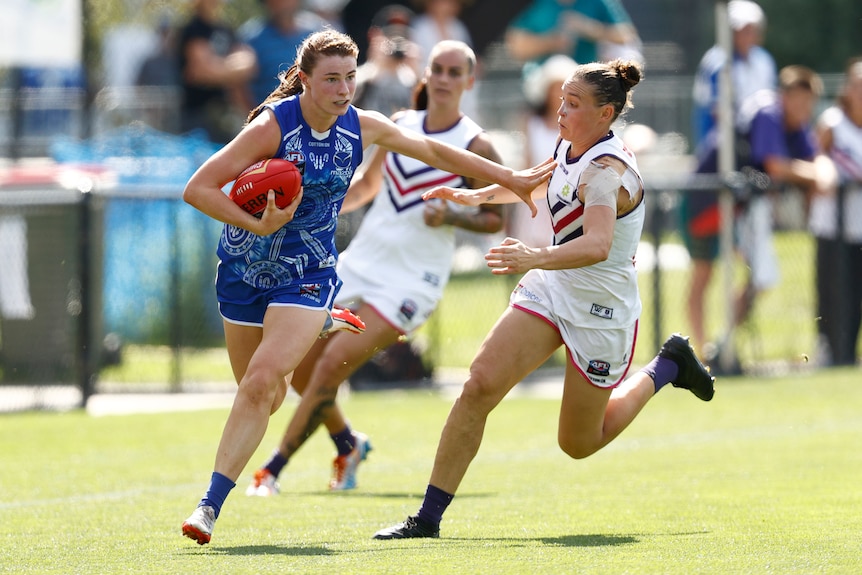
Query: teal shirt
x=543 y=16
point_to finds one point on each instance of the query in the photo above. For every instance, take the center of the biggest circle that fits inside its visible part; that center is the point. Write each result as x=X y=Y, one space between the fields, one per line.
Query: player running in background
x=581 y=293
x=276 y=276
x=397 y=266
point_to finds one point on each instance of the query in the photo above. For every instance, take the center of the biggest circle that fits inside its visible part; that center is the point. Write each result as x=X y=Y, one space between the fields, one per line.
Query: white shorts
x=754 y=228
x=404 y=309
x=602 y=355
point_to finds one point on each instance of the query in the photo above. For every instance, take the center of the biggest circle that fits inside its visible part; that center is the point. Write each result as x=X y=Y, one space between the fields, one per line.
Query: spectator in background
x=214 y=68
x=839 y=258
x=776 y=148
x=752 y=68
x=160 y=67
x=274 y=40
x=543 y=88
x=440 y=20
x=386 y=80
x=577 y=28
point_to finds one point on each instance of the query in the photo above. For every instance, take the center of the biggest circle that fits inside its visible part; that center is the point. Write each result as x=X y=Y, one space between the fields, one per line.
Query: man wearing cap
x=753 y=68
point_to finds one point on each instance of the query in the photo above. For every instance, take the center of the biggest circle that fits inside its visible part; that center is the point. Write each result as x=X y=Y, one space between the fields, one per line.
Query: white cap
x=554 y=70
x=742 y=13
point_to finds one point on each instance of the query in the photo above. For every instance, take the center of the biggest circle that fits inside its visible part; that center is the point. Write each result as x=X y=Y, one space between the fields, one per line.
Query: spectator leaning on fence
x=776 y=148
x=839 y=259
x=752 y=70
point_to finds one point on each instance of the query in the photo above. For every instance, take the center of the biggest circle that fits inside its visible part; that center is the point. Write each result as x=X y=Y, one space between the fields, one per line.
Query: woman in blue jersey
x=398 y=263
x=581 y=293
x=276 y=276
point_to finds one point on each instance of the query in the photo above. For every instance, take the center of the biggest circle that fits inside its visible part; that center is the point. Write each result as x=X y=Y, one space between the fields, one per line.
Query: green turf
x=764 y=479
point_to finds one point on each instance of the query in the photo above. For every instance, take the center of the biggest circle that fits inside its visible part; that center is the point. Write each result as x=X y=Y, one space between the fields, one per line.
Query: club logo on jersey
x=599 y=367
x=567 y=190
x=310 y=291
x=408 y=309
x=343 y=158
x=602 y=311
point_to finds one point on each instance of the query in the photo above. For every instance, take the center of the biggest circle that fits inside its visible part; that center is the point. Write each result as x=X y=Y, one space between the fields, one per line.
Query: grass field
x=766 y=478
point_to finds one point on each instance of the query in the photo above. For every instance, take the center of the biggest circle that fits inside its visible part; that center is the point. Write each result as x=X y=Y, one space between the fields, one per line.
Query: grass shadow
x=262 y=550
x=589 y=540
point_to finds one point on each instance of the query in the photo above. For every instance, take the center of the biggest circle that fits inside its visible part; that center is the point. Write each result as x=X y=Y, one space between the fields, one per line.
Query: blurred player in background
x=276 y=277
x=398 y=264
x=581 y=293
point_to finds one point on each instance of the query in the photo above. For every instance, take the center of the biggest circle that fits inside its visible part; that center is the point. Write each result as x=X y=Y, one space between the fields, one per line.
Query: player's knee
x=479 y=392
x=574 y=447
x=261 y=389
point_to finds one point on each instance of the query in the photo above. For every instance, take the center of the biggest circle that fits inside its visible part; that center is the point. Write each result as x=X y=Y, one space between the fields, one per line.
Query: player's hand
x=273 y=217
x=462 y=196
x=511 y=257
x=525 y=181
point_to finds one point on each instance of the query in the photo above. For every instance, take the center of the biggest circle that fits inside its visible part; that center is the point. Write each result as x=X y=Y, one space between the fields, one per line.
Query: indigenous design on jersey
x=304 y=249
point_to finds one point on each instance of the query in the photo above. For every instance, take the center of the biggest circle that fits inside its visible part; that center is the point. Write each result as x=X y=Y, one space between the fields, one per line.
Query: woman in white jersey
x=276 y=278
x=581 y=293
x=396 y=267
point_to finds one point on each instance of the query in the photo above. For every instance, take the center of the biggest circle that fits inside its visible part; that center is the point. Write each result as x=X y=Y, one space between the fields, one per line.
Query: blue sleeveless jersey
x=303 y=251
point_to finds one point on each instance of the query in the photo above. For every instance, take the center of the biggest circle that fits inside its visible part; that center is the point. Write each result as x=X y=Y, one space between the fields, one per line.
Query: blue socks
x=276 y=463
x=220 y=486
x=662 y=371
x=344 y=441
x=434 y=505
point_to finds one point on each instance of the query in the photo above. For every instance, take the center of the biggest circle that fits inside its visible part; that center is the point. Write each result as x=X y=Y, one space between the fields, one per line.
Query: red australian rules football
x=250 y=189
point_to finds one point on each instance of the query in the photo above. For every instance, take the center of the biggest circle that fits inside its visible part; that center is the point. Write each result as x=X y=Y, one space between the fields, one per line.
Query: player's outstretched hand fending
x=525 y=181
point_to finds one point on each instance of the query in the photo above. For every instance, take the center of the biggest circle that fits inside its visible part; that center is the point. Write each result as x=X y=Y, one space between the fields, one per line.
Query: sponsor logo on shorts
x=310 y=291
x=408 y=309
x=602 y=311
x=524 y=292
x=432 y=279
x=599 y=367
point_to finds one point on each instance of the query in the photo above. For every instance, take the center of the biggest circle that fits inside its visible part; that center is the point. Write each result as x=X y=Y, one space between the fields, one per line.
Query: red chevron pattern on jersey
x=406 y=179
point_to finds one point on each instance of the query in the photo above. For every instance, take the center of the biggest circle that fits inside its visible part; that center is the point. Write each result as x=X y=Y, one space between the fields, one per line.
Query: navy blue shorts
x=244 y=304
